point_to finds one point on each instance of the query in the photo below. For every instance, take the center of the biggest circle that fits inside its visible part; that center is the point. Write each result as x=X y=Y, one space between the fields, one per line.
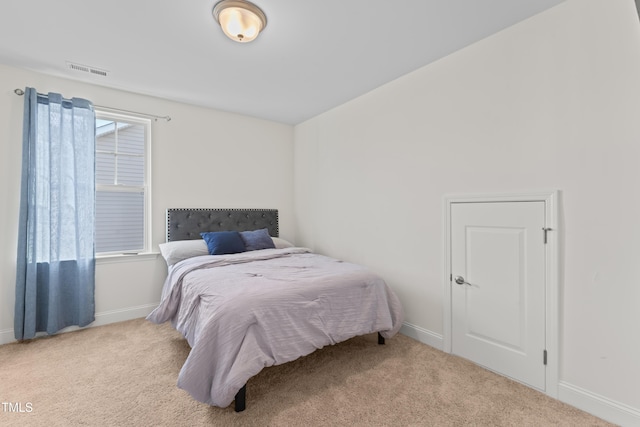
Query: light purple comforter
x=243 y=312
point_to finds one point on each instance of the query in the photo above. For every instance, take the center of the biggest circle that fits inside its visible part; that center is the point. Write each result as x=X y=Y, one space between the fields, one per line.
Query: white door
x=498 y=287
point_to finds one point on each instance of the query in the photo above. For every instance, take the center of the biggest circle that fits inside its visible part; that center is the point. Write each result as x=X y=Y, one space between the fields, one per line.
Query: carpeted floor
x=125 y=374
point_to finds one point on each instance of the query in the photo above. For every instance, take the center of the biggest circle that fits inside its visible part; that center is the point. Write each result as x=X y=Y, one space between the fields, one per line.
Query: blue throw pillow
x=223 y=242
x=257 y=239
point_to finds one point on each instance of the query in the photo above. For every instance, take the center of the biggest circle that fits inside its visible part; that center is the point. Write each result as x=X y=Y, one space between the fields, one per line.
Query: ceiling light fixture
x=240 y=20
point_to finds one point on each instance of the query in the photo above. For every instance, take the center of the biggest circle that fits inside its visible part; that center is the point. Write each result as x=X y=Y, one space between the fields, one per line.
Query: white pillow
x=173 y=252
x=281 y=243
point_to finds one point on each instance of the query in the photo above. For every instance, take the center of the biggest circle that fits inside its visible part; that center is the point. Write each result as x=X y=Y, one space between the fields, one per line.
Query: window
x=122 y=184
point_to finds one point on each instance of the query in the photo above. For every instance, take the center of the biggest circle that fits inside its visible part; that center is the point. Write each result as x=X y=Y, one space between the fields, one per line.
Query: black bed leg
x=241 y=399
x=380 y=339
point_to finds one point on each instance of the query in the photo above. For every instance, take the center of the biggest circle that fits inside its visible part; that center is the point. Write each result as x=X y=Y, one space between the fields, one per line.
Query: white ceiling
x=312 y=56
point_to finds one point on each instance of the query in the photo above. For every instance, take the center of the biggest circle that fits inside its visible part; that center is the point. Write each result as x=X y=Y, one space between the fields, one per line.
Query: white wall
x=201 y=158
x=551 y=103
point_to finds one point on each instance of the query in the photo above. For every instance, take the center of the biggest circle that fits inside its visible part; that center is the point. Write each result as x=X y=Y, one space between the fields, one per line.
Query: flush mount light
x=240 y=20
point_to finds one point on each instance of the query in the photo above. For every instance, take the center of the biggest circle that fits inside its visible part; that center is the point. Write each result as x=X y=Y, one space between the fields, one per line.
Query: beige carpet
x=125 y=375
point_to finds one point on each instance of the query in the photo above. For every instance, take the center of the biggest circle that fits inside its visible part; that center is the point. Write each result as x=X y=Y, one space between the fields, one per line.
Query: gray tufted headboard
x=187 y=224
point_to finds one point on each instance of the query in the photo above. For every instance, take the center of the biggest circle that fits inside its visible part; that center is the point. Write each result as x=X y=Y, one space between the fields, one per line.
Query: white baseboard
x=6 y=336
x=120 y=315
x=102 y=318
x=602 y=407
x=423 y=335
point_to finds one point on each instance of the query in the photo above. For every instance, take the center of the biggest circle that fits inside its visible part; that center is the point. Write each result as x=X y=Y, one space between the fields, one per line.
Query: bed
x=271 y=303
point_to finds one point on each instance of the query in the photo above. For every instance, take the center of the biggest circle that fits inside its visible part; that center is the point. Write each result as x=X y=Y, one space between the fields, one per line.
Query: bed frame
x=186 y=224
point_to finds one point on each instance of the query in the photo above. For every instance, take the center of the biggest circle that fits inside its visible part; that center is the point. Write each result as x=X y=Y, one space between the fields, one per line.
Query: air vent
x=86 y=69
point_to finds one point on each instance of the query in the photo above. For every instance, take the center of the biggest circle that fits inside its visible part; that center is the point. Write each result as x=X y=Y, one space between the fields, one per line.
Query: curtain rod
x=20 y=92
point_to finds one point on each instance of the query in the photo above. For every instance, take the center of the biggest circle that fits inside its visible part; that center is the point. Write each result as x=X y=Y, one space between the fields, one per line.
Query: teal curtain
x=55 y=277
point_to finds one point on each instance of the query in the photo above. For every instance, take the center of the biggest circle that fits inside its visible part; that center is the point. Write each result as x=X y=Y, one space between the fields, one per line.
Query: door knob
x=460 y=280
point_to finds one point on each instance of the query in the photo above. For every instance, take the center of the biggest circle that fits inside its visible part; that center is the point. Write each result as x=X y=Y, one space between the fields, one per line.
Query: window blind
x=120 y=186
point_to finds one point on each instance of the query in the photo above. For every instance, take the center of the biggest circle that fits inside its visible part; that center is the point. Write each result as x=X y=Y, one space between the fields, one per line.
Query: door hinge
x=544 y=357
x=545 y=230
x=451 y=277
